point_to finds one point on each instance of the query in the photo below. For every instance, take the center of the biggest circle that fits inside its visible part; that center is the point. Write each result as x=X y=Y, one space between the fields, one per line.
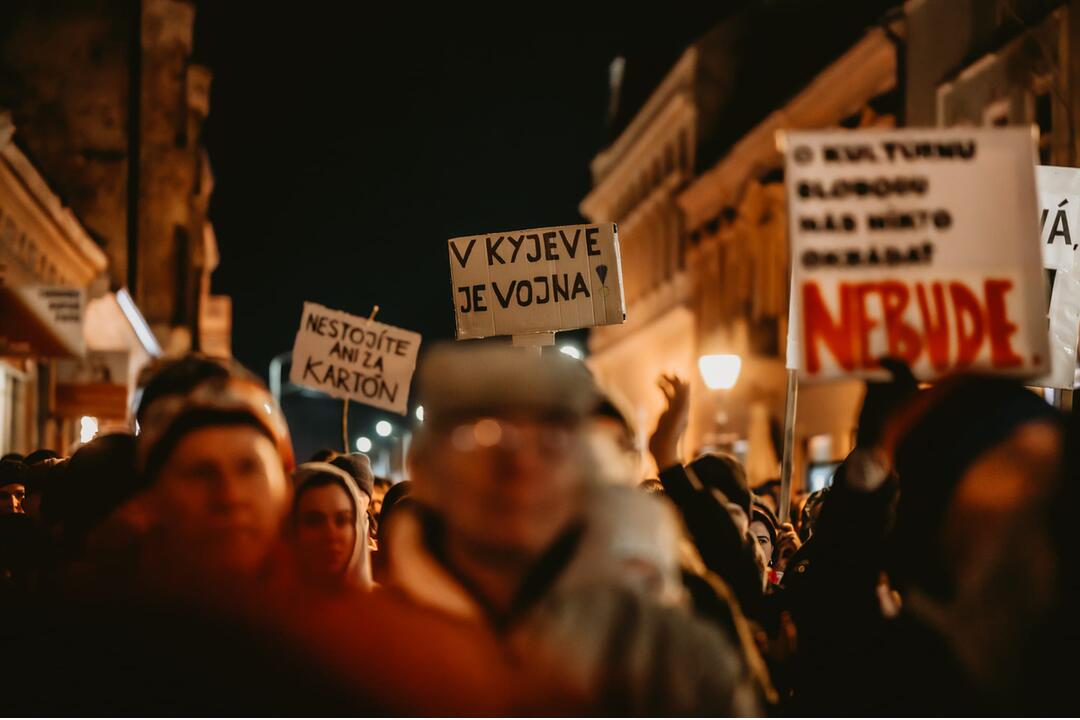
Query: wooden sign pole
x=533 y=343
x=345 y=403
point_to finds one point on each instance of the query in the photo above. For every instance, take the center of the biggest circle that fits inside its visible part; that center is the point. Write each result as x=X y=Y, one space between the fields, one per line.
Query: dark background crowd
x=523 y=567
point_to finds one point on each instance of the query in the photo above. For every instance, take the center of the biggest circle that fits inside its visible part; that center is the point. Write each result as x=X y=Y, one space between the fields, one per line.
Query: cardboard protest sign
x=541 y=280
x=918 y=244
x=354 y=358
x=1059 y=217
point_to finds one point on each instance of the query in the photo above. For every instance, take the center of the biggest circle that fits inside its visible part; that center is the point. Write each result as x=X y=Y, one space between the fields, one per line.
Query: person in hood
x=358 y=466
x=506 y=538
x=329 y=527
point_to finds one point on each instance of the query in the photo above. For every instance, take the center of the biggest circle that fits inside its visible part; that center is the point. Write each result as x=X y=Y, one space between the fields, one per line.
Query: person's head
x=329 y=525
x=41 y=479
x=215 y=459
x=978 y=460
x=768 y=493
x=811 y=510
x=40 y=456
x=725 y=477
x=12 y=487
x=93 y=483
x=382 y=486
x=176 y=377
x=763 y=530
x=324 y=455
x=393 y=501
x=613 y=441
x=501 y=456
x=358 y=466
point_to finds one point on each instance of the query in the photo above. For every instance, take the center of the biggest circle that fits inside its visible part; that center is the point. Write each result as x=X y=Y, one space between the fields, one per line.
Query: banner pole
x=345 y=403
x=345 y=426
x=789 y=444
x=533 y=343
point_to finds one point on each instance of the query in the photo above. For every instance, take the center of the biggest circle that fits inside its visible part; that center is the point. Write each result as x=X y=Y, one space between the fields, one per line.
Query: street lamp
x=720 y=372
x=363 y=444
x=384 y=428
x=571 y=351
x=88 y=429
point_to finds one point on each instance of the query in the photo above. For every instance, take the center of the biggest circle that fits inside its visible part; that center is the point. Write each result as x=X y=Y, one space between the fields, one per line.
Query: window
x=1044 y=118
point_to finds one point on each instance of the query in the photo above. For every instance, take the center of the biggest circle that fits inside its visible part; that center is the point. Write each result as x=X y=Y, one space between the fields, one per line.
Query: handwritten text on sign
x=917 y=244
x=542 y=280
x=351 y=357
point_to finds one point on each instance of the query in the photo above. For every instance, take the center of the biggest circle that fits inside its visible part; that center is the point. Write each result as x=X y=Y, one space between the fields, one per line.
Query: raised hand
x=664 y=443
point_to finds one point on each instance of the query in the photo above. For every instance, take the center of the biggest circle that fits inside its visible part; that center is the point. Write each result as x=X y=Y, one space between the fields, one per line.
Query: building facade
x=107 y=182
x=705 y=239
x=115 y=122
x=705 y=252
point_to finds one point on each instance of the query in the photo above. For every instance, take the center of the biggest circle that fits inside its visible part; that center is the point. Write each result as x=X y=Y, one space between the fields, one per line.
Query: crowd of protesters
x=525 y=566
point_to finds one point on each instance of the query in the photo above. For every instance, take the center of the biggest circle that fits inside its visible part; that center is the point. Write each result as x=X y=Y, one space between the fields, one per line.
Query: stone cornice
x=69 y=247
x=866 y=70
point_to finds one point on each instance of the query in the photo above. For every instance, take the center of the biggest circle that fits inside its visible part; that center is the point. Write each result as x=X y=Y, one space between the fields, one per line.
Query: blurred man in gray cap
x=506 y=534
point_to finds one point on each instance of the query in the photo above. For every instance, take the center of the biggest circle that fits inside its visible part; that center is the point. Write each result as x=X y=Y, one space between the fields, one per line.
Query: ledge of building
x=865 y=71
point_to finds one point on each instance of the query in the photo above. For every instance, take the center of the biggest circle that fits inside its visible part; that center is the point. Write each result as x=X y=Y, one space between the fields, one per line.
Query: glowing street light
x=88 y=428
x=363 y=444
x=383 y=428
x=720 y=372
x=571 y=351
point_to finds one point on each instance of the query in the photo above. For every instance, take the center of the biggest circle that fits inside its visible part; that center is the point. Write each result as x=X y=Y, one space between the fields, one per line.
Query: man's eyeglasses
x=509 y=435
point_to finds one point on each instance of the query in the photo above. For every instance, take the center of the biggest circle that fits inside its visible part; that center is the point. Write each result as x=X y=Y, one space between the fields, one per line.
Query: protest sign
x=533 y=281
x=1059 y=217
x=354 y=358
x=916 y=244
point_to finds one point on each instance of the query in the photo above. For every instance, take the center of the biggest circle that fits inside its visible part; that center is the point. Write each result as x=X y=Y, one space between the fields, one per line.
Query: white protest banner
x=918 y=244
x=532 y=281
x=354 y=358
x=1059 y=194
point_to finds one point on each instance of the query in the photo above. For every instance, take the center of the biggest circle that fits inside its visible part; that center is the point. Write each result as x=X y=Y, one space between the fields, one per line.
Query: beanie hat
x=462 y=381
x=236 y=399
x=358 y=466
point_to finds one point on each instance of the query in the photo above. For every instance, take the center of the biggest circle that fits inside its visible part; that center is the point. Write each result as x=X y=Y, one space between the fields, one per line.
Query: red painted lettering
x=968 y=340
x=864 y=322
x=998 y=326
x=936 y=330
x=904 y=340
x=818 y=326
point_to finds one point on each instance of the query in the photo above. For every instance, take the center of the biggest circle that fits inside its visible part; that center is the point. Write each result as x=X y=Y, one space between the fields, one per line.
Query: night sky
x=347 y=148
